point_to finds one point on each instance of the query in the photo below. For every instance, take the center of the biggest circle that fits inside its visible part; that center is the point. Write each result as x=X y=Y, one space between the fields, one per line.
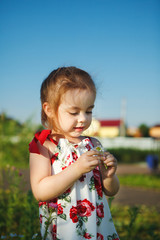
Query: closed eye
x=73 y=113
x=89 y=112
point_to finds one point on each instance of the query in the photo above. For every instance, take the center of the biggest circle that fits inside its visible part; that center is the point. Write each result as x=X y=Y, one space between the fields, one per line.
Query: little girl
x=69 y=177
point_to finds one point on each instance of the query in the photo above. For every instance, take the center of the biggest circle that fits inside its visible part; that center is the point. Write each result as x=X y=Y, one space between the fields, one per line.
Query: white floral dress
x=82 y=212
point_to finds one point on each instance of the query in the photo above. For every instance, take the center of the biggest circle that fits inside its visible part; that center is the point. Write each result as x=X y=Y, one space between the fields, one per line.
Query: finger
x=107 y=153
x=111 y=163
x=110 y=157
x=95 y=163
x=93 y=152
x=95 y=158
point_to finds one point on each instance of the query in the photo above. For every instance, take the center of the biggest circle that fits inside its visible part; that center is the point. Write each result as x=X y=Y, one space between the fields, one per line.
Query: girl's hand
x=89 y=160
x=110 y=163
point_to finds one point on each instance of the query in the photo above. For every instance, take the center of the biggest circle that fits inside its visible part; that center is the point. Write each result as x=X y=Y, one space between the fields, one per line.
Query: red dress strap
x=54 y=141
x=41 y=137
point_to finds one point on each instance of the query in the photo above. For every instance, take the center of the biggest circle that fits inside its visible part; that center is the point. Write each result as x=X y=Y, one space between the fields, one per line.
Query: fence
x=127 y=142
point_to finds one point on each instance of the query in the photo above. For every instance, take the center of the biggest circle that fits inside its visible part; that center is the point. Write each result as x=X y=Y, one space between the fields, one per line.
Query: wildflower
x=13 y=168
x=20 y=173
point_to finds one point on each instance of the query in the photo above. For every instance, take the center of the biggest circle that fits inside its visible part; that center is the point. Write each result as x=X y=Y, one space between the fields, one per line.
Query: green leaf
x=85 y=219
x=63 y=216
x=68 y=199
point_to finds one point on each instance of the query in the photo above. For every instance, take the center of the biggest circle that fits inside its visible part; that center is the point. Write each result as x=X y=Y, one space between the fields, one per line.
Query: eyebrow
x=77 y=108
x=92 y=106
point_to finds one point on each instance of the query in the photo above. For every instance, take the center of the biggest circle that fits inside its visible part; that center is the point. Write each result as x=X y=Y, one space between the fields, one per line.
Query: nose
x=82 y=117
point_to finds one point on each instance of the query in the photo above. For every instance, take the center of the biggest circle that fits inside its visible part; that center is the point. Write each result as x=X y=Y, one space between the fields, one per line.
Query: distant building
x=93 y=130
x=104 y=128
x=116 y=127
x=155 y=131
x=109 y=128
x=133 y=132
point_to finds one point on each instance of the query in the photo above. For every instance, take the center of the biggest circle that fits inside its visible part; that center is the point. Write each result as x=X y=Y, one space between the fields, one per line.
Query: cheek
x=89 y=119
x=66 y=120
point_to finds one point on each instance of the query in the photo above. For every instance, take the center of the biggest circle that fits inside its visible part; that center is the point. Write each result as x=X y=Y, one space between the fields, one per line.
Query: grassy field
x=143 y=181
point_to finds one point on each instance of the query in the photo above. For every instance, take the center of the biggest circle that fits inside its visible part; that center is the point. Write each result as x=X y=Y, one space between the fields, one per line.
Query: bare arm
x=109 y=179
x=46 y=186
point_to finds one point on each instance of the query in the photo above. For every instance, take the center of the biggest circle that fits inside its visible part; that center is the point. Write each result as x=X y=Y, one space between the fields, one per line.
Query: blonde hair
x=56 y=84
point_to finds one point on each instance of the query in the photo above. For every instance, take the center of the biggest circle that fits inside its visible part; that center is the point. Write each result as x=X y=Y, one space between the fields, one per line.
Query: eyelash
x=74 y=114
x=89 y=112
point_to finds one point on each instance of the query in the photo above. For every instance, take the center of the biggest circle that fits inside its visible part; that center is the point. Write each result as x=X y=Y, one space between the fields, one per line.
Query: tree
x=9 y=126
x=144 y=129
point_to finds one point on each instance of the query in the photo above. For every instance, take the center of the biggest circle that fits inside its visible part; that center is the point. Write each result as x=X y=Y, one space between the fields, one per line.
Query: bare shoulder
x=50 y=146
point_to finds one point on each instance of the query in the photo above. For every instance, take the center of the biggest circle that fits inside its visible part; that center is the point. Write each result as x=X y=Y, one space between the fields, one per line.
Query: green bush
x=18 y=209
x=129 y=155
x=14 y=145
x=137 y=222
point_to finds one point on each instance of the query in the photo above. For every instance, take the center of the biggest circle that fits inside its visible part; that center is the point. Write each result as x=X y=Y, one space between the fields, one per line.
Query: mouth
x=79 y=129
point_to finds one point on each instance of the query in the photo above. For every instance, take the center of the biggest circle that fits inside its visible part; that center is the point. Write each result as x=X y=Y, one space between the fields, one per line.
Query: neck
x=74 y=140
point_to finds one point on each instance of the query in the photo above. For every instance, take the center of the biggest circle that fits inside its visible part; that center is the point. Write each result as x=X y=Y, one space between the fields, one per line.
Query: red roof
x=110 y=123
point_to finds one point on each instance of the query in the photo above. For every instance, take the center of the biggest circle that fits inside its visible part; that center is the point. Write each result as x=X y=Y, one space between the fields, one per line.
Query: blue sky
x=116 y=41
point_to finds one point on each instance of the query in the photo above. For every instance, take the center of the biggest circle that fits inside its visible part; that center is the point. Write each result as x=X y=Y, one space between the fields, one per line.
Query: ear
x=48 y=110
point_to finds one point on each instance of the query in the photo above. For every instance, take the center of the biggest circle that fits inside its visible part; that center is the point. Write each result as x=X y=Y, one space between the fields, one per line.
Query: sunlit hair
x=59 y=82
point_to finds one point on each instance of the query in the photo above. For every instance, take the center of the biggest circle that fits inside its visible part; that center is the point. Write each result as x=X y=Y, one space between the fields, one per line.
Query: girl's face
x=75 y=112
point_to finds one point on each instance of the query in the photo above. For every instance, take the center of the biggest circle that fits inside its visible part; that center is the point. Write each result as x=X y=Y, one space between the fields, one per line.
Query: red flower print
x=82 y=178
x=54 y=232
x=100 y=210
x=84 y=208
x=100 y=236
x=67 y=191
x=73 y=214
x=87 y=236
x=40 y=218
x=66 y=166
x=74 y=155
x=97 y=182
x=54 y=157
x=89 y=140
x=60 y=209
x=88 y=147
x=42 y=203
x=54 y=200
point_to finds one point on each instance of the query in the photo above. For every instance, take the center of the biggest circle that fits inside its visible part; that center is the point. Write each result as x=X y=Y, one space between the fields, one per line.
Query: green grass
x=143 y=181
x=136 y=222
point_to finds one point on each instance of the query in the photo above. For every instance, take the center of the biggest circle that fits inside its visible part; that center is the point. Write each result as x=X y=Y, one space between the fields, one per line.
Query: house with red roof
x=105 y=128
x=109 y=128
